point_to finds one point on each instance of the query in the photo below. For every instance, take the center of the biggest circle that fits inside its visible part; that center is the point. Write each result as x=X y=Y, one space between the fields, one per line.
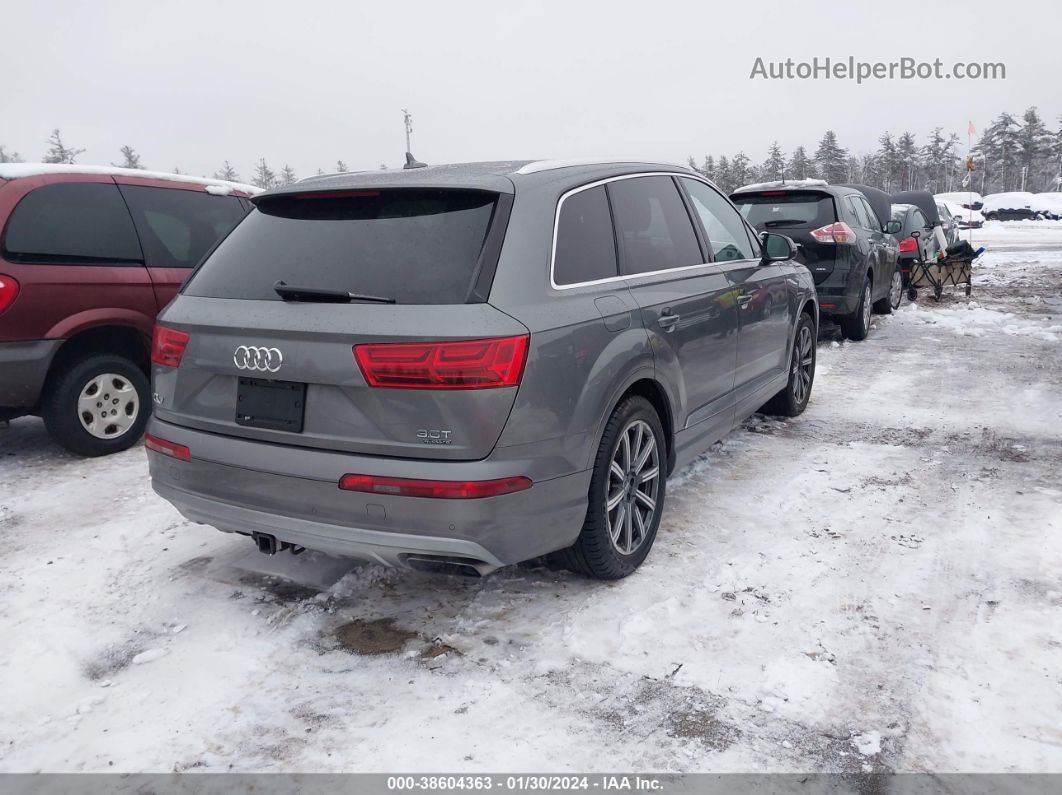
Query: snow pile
x=961 y=198
x=19 y=170
x=974 y=320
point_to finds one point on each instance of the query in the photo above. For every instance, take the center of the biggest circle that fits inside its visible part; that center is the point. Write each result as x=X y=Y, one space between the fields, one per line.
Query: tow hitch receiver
x=267 y=544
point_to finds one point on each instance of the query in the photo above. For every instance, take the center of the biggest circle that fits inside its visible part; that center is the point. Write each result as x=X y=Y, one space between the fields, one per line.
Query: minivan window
x=726 y=232
x=177 y=227
x=72 y=222
x=586 y=246
x=416 y=246
x=653 y=228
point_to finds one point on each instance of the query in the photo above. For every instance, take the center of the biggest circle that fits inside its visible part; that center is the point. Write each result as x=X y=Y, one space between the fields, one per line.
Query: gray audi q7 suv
x=472 y=365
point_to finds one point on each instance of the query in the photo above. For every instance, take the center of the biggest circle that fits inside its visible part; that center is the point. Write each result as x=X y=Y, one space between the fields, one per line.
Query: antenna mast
x=407 y=117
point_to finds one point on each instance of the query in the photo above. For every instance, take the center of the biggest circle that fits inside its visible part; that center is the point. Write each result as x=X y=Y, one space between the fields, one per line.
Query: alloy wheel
x=896 y=290
x=803 y=365
x=867 y=307
x=108 y=406
x=633 y=487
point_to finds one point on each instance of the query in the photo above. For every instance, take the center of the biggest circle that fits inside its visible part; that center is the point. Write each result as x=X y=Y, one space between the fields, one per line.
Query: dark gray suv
x=472 y=365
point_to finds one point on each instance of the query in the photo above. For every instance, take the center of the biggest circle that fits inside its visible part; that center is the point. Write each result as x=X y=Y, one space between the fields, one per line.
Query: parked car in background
x=1012 y=206
x=88 y=256
x=970 y=200
x=842 y=241
x=917 y=240
x=963 y=217
x=948 y=224
x=472 y=365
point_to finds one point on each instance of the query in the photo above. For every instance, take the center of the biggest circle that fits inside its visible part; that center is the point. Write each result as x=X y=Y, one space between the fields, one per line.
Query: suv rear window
x=416 y=246
x=72 y=222
x=792 y=210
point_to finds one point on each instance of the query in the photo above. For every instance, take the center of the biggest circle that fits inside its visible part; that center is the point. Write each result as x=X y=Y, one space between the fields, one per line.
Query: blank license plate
x=277 y=405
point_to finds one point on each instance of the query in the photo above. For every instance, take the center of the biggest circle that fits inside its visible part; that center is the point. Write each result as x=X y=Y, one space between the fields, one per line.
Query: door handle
x=668 y=321
x=744 y=299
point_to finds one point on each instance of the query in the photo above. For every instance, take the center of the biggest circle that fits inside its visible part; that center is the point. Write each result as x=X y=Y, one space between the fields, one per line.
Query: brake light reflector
x=167 y=346
x=473 y=364
x=172 y=449
x=839 y=232
x=338 y=194
x=439 y=489
x=8 y=291
x=908 y=246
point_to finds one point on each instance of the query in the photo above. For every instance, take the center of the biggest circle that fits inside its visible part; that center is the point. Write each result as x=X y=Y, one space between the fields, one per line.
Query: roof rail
x=536 y=166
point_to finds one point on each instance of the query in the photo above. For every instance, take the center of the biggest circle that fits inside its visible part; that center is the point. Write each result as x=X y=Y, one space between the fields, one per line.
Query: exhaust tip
x=445 y=564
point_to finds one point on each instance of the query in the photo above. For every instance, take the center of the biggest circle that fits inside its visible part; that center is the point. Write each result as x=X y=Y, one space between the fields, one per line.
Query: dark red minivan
x=88 y=256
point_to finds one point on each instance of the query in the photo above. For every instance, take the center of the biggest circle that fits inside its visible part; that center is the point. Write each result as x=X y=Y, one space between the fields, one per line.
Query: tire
x=596 y=553
x=892 y=301
x=856 y=326
x=70 y=406
x=793 y=399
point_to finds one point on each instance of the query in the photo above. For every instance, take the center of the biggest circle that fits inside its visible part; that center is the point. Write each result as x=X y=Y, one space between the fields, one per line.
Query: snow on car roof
x=786 y=183
x=218 y=187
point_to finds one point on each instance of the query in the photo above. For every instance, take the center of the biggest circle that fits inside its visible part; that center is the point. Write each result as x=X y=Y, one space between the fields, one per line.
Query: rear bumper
x=838 y=293
x=23 y=368
x=304 y=506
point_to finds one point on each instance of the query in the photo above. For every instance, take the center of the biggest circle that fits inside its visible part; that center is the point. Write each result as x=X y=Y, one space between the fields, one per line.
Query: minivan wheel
x=626 y=495
x=792 y=400
x=97 y=405
x=856 y=326
x=886 y=305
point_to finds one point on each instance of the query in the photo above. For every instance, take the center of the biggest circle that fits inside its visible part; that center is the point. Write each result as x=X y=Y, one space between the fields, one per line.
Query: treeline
x=262 y=175
x=1011 y=154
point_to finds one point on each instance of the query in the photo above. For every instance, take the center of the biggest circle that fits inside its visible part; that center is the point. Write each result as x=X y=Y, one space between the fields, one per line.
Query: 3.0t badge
x=253 y=357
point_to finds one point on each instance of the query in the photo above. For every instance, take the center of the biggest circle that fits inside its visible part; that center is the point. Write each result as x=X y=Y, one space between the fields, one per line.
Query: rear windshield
x=792 y=210
x=414 y=246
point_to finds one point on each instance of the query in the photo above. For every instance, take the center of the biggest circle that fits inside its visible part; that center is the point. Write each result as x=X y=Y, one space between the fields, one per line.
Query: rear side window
x=415 y=246
x=654 y=230
x=586 y=247
x=177 y=227
x=875 y=223
x=727 y=234
x=788 y=210
x=860 y=212
x=74 y=222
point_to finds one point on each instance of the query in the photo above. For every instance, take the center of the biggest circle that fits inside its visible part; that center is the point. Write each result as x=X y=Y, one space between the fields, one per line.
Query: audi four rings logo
x=252 y=357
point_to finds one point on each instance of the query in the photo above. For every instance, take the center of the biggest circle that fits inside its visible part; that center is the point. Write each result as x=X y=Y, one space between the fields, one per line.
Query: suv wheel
x=886 y=305
x=626 y=495
x=97 y=405
x=856 y=326
x=792 y=400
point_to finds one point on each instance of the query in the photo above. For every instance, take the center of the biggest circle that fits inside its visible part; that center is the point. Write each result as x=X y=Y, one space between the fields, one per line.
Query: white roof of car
x=786 y=183
x=220 y=187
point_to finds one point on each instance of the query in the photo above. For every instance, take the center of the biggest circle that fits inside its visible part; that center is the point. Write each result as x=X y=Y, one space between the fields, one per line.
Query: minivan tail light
x=165 y=447
x=8 y=291
x=469 y=364
x=908 y=246
x=839 y=232
x=437 y=489
x=167 y=346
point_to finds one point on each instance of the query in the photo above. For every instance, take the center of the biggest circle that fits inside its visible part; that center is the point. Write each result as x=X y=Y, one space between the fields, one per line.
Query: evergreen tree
x=287 y=175
x=722 y=175
x=58 y=152
x=998 y=148
x=831 y=158
x=9 y=157
x=1034 y=147
x=907 y=160
x=740 y=173
x=940 y=161
x=341 y=167
x=708 y=167
x=800 y=166
x=227 y=172
x=263 y=176
x=774 y=166
x=888 y=163
x=130 y=159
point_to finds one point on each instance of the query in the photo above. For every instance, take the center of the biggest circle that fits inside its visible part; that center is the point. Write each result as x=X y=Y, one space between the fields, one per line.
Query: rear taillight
x=839 y=232
x=908 y=246
x=167 y=346
x=438 y=489
x=474 y=364
x=8 y=291
x=172 y=449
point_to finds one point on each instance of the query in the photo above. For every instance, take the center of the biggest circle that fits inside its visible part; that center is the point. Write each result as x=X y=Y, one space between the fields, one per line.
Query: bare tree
x=264 y=177
x=58 y=152
x=287 y=175
x=130 y=159
x=227 y=172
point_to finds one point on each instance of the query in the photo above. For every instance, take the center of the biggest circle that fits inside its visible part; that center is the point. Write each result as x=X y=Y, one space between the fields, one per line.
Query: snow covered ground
x=872 y=586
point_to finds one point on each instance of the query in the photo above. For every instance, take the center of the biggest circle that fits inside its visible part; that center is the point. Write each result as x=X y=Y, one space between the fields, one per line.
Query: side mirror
x=777 y=248
x=916 y=234
x=893 y=227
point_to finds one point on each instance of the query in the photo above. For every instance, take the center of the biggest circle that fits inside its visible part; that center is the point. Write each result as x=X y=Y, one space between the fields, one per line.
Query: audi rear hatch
x=348 y=320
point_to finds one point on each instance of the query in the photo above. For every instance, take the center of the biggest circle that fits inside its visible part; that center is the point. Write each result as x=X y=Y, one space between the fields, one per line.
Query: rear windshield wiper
x=321 y=296
x=785 y=222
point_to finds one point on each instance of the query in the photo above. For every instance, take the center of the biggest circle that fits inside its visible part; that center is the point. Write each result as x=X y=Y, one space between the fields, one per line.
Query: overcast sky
x=191 y=83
